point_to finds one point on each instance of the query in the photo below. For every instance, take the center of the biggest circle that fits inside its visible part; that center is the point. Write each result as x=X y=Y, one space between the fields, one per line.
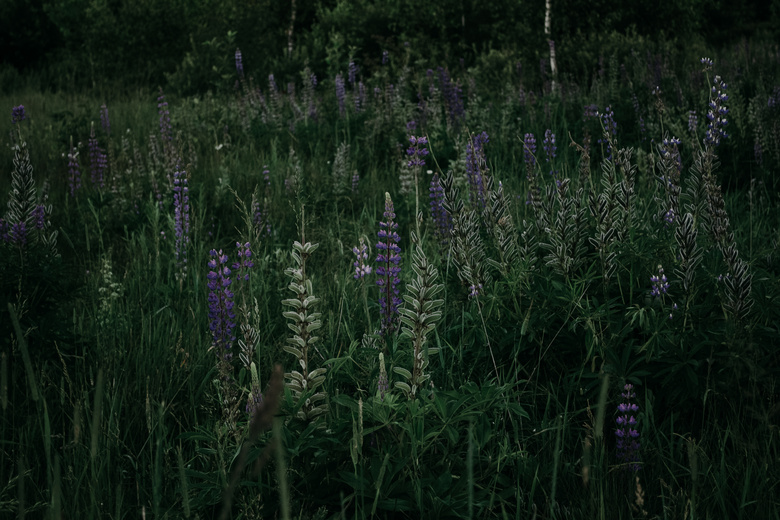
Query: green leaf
x=403 y=372
x=294 y=351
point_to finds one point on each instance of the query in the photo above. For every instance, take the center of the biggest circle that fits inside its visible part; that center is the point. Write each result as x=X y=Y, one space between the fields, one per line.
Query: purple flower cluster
x=166 y=130
x=245 y=262
x=417 y=151
x=181 y=215
x=660 y=283
x=239 y=64
x=18 y=234
x=18 y=114
x=341 y=94
x=361 y=267
x=13 y=234
x=626 y=433
x=389 y=259
x=476 y=167
x=693 y=122
x=591 y=111
x=669 y=148
x=441 y=217
x=352 y=72
x=74 y=171
x=717 y=113
x=355 y=181
x=610 y=128
x=38 y=215
x=452 y=97
x=529 y=149
x=221 y=315
x=385 y=57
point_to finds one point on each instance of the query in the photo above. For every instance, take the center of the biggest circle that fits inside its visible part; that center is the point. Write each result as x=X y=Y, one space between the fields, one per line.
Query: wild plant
x=442 y=221
x=565 y=240
x=341 y=169
x=476 y=170
x=222 y=324
x=418 y=319
x=181 y=221
x=467 y=246
x=303 y=384
x=388 y=270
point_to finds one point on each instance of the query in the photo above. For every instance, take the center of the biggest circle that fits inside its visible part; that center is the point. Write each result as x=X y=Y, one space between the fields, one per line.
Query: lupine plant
x=418 y=319
x=627 y=432
x=304 y=383
x=388 y=270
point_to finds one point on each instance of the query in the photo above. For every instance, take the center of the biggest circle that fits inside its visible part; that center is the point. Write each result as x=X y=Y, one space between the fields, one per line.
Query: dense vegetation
x=371 y=279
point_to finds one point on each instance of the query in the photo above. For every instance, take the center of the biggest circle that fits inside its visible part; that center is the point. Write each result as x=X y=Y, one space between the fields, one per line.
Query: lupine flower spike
x=389 y=259
x=627 y=433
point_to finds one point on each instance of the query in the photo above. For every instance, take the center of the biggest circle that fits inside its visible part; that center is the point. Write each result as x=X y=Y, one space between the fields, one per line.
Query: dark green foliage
x=520 y=382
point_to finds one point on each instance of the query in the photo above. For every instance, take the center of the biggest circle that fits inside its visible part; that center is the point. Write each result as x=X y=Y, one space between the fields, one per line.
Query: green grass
x=116 y=405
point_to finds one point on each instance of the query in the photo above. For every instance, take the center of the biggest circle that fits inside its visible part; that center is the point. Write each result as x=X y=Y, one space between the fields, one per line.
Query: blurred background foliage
x=181 y=44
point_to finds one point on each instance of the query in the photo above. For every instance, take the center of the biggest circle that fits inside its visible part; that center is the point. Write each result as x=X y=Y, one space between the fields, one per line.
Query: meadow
x=414 y=291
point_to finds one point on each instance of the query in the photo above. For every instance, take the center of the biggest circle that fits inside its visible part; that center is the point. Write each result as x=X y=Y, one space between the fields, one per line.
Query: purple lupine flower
x=74 y=171
x=669 y=149
x=610 y=128
x=717 y=113
x=355 y=181
x=166 y=130
x=627 y=433
x=39 y=216
x=707 y=62
x=591 y=111
x=389 y=259
x=452 y=94
x=475 y=290
x=529 y=149
x=360 y=99
x=221 y=315
x=18 y=234
x=385 y=57
x=669 y=218
x=341 y=94
x=181 y=218
x=239 y=63
x=361 y=267
x=660 y=283
x=105 y=123
x=693 y=121
x=18 y=114
x=417 y=151
x=476 y=168
x=441 y=217
x=245 y=262
x=352 y=72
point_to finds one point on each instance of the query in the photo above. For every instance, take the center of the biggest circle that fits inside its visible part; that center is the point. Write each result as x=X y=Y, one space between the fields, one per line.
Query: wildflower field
x=401 y=290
